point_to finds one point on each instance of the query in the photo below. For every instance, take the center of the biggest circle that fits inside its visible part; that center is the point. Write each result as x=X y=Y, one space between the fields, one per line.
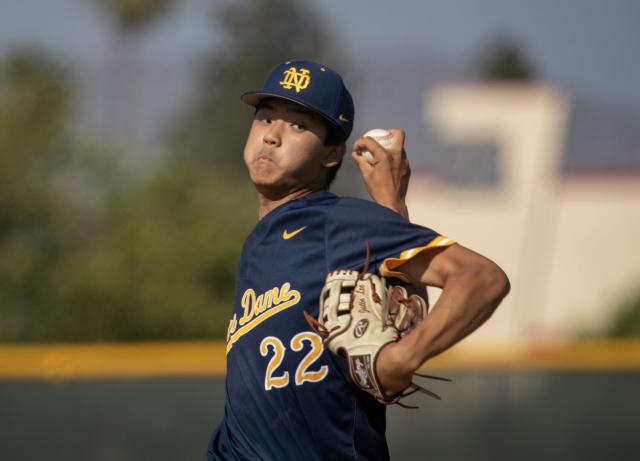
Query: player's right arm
x=472 y=288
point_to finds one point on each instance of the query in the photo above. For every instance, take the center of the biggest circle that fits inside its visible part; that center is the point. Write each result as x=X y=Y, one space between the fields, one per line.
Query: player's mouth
x=264 y=156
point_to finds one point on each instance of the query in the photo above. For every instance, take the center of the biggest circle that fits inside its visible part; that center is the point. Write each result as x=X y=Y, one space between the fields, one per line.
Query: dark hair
x=334 y=137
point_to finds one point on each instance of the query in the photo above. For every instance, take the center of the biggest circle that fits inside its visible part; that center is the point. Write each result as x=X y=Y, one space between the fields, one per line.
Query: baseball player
x=287 y=396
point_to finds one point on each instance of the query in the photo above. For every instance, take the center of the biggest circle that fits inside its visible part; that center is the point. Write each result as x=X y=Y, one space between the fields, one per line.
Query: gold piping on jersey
x=388 y=265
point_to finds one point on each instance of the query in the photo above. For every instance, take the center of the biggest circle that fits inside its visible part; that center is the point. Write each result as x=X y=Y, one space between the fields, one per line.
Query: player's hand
x=387 y=179
x=393 y=370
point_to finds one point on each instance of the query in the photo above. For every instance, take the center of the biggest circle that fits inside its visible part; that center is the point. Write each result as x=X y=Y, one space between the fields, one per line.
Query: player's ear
x=334 y=155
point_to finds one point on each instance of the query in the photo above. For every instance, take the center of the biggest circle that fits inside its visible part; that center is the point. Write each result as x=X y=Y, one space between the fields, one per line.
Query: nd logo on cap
x=296 y=79
x=327 y=96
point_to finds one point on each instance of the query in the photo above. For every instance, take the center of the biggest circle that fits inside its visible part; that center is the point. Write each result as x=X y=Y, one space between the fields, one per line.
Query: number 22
x=302 y=374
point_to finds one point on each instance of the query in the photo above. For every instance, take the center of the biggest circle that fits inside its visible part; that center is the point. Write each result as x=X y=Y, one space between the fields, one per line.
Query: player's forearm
x=468 y=299
x=397 y=205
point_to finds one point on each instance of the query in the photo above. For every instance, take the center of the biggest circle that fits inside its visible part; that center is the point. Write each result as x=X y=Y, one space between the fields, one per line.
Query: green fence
x=496 y=413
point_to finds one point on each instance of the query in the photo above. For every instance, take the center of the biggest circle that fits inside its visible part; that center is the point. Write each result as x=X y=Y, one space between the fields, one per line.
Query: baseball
x=384 y=139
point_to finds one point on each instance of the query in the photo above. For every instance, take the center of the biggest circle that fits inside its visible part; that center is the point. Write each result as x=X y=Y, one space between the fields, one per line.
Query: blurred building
x=568 y=240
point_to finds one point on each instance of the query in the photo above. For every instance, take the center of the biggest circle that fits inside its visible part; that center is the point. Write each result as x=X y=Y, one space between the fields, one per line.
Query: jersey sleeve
x=352 y=223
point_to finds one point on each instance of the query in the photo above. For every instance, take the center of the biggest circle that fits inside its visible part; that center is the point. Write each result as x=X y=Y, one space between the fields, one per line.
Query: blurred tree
x=256 y=35
x=627 y=322
x=89 y=251
x=34 y=106
x=162 y=264
x=504 y=59
x=133 y=15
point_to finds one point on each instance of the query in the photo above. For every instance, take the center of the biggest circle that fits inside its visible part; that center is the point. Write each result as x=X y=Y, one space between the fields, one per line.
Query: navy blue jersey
x=287 y=397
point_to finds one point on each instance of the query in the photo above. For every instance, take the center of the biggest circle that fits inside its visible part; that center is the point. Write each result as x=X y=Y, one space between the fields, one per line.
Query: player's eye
x=262 y=116
x=298 y=126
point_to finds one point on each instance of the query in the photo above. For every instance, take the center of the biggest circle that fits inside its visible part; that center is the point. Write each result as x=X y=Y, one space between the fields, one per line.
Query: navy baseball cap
x=311 y=85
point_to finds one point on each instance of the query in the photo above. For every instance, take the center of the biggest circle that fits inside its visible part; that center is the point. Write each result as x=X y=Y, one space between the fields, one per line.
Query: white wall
x=568 y=245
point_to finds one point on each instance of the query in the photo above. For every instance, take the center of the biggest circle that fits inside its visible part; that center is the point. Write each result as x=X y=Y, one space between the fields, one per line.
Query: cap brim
x=253 y=98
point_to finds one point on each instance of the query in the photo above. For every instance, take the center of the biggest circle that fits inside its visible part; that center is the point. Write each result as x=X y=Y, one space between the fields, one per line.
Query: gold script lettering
x=253 y=306
x=258 y=309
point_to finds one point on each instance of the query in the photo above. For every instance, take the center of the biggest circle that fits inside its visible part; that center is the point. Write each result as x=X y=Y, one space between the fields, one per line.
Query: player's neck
x=268 y=202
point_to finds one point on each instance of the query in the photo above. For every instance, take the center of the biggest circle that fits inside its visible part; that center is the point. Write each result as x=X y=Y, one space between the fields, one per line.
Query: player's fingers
x=396 y=150
x=405 y=169
x=404 y=179
x=397 y=139
x=364 y=166
x=370 y=144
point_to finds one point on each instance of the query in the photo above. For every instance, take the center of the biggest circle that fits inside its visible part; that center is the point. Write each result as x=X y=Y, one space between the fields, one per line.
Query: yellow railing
x=191 y=359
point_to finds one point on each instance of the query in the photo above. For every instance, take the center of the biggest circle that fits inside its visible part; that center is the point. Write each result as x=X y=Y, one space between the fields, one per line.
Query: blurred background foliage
x=504 y=59
x=91 y=250
x=133 y=15
x=627 y=322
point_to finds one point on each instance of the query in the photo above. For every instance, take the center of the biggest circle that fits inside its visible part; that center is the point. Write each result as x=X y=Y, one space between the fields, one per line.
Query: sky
x=588 y=48
x=586 y=45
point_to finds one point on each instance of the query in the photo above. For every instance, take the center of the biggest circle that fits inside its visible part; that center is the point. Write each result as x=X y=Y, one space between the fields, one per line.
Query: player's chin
x=264 y=177
x=263 y=170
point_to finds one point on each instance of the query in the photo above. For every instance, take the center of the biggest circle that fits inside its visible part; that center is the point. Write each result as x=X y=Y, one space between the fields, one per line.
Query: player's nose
x=272 y=136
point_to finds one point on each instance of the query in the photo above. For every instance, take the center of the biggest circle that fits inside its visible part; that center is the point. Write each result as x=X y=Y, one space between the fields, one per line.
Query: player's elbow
x=495 y=283
x=485 y=282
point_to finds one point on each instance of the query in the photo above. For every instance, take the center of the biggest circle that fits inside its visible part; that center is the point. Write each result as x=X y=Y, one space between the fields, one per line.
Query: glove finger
x=396 y=308
x=414 y=315
x=420 y=307
x=407 y=320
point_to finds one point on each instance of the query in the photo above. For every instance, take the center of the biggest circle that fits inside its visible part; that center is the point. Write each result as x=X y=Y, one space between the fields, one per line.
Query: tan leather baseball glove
x=358 y=316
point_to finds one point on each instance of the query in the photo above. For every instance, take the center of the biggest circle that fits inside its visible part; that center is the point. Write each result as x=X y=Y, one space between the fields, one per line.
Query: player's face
x=285 y=149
